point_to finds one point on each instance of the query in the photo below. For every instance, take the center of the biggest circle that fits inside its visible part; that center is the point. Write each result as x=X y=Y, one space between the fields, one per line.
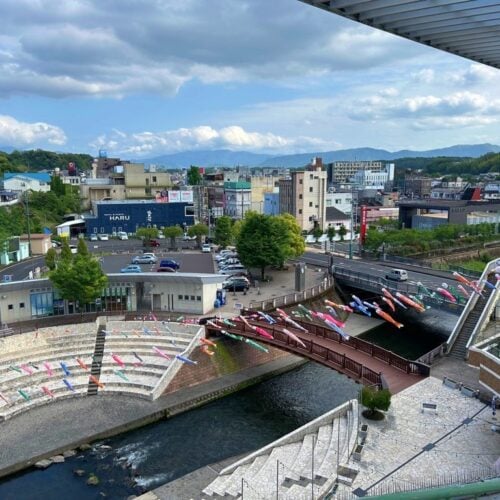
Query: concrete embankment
x=53 y=428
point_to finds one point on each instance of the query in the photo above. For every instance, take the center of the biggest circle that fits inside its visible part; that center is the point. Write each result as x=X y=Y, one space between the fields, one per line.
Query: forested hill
x=488 y=163
x=37 y=159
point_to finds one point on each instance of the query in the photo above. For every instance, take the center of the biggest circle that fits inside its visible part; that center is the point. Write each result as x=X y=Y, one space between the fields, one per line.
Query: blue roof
x=39 y=176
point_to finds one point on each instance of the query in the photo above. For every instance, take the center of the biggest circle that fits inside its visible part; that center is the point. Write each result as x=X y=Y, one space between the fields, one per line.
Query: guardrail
x=375 y=284
x=293 y=298
x=430 y=356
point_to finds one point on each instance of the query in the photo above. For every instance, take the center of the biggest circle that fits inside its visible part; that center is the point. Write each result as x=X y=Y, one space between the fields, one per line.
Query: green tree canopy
x=198 y=230
x=147 y=233
x=194 y=177
x=330 y=233
x=79 y=277
x=342 y=231
x=224 y=231
x=266 y=240
x=172 y=232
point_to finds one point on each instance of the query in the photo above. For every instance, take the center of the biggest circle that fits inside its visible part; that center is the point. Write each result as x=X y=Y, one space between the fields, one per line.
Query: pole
x=312 y=466
x=277 y=479
x=352 y=223
x=28 y=217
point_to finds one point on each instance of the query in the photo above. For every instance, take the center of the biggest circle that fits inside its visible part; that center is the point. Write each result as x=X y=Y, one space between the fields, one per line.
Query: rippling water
x=158 y=453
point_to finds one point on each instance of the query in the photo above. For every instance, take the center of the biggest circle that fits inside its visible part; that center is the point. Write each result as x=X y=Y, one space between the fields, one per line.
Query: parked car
x=144 y=259
x=169 y=263
x=166 y=270
x=151 y=243
x=122 y=235
x=186 y=237
x=206 y=248
x=103 y=236
x=227 y=254
x=131 y=269
x=93 y=237
x=397 y=275
x=56 y=244
x=73 y=248
x=152 y=255
x=233 y=272
x=228 y=262
x=236 y=283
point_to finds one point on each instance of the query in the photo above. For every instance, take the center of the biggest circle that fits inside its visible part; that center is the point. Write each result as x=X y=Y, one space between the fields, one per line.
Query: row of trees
x=411 y=241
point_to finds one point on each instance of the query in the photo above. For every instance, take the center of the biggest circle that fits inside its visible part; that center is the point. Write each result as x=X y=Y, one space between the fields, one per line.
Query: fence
x=430 y=356
x=293 y=298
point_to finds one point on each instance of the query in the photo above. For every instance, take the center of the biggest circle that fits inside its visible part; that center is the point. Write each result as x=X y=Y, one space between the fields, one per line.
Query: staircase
x=293 y=466
x=97 y=360
x=458 y=349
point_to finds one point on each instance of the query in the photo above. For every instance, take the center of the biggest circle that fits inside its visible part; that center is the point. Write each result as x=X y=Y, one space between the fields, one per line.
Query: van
x=397 y=275
x=122 y=235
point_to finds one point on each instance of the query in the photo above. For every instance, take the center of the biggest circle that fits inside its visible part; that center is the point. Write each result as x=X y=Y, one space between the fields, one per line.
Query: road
x=376 y=269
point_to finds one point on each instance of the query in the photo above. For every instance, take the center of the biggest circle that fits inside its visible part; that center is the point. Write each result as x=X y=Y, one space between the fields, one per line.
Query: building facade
x=19 y=183
x=340 y=172
x=341 y=200
x=112 y=216
x=238 y=199
x=271 y=203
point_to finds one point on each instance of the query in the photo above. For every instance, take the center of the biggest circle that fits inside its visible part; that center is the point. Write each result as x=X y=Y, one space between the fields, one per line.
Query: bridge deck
x=360 y=360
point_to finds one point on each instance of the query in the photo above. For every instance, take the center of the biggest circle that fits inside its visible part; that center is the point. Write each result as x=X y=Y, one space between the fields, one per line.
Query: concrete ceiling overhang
x=467 y=28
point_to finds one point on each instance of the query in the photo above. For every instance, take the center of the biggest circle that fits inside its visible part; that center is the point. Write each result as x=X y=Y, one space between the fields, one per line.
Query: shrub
x=375 y=400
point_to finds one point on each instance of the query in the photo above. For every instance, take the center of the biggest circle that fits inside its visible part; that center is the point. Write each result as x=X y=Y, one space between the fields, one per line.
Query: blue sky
x=141 y=78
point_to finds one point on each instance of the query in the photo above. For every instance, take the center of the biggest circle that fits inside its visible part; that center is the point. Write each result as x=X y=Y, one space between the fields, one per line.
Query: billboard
x=364 y=223
x=187 y=196
x=174 y=196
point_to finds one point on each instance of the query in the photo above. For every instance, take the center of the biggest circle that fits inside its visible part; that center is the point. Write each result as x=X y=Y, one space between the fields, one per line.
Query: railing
x=375 y=284
x=388 y=357
x=485 y=315
x=471 y=303
x=293 y=298
x=430 y=356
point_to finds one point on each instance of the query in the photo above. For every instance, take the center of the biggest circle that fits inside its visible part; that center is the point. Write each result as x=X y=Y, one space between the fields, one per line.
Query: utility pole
x=28 y=218
x=352 y=222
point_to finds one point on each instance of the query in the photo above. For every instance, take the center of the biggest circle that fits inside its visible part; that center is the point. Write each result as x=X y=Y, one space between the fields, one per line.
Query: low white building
x=20 y=183
x=341 y=200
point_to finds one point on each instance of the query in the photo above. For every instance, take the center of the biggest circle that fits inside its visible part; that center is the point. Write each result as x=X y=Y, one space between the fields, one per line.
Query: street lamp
x=28 y=219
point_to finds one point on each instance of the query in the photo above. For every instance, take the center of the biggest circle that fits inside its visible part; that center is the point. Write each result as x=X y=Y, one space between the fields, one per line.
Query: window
x=300 y=196
x=154 y=178
x=300 y=211
x=310 y=203
x=186 y=297
x=21 y=305
x=311 y=189
x=179 y=297
x=300 y=181
x=311 y=177
x=198 y=298
x=10 y=307
x=189 y=211
x=192 y=297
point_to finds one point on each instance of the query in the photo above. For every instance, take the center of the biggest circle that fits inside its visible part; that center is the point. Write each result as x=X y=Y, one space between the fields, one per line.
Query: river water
x=158 y=453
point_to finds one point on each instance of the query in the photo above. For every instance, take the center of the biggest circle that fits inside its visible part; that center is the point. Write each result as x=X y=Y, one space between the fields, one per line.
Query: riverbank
x=52 y=429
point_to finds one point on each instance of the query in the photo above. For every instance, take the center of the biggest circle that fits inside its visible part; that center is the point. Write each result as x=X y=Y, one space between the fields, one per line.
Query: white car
x=151 y=255
x=93 y=237
x=73 y=248
x=103 y=236
x=122 y=235
x=206 y=248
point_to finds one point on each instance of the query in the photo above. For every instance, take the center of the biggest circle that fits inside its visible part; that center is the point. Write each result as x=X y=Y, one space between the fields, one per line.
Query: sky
x=141 y=78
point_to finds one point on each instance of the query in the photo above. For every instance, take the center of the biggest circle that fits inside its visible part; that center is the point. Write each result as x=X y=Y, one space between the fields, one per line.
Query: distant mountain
x=7 y=149
x=299 y=160
x=217 y=158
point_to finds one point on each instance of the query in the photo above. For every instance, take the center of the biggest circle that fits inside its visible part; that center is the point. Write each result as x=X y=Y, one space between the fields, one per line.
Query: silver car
x=144 y=259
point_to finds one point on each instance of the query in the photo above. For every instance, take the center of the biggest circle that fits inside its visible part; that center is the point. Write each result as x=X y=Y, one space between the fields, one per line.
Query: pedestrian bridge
x=358 y=359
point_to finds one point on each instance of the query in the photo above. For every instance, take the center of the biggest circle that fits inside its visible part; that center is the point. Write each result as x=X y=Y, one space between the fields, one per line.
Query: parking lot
x=190 y=261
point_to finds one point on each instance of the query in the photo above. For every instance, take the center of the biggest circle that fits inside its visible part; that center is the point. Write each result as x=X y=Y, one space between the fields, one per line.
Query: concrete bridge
x=356 y=358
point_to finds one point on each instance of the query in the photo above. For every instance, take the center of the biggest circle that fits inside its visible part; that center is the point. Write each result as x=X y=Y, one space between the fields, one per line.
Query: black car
x=238 y=285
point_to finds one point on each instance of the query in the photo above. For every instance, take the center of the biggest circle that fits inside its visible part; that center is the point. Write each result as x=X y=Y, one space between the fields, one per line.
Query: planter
x=357 y=452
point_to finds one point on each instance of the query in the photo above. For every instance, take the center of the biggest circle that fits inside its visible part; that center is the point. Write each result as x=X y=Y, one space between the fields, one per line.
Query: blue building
x=129 y=215
x=271 y=203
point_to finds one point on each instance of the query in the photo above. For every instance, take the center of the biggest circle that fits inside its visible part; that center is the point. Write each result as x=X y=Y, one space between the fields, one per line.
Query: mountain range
x=227 y=158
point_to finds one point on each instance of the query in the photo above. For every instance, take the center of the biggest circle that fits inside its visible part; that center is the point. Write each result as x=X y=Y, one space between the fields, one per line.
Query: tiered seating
x=289 y=460
x=24 y=353
x=144 y=369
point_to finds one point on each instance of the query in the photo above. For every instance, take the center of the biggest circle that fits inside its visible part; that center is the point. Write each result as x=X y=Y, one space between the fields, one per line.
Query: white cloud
x=203 y=137
x=16 y=133
x=117 y=48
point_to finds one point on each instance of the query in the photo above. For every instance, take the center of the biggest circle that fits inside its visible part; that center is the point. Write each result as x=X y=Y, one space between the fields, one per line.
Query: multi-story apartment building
x=303 y=196
x=261 y=184
x=341 y=200
x=238 y=199
x=343 y=171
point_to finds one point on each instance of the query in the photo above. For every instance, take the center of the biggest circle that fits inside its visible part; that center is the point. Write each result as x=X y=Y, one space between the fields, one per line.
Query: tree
x=266 y=240
x=57 y=186
x=66 y=255
x=342 y=232
x=194 y=177
x=375 y=400
x=224 y=231
x=198 y=230
x=317 y=232
x=172 y=232
x=51 y=258
x=78 y=278
x=330 y=234
x=147 y=233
